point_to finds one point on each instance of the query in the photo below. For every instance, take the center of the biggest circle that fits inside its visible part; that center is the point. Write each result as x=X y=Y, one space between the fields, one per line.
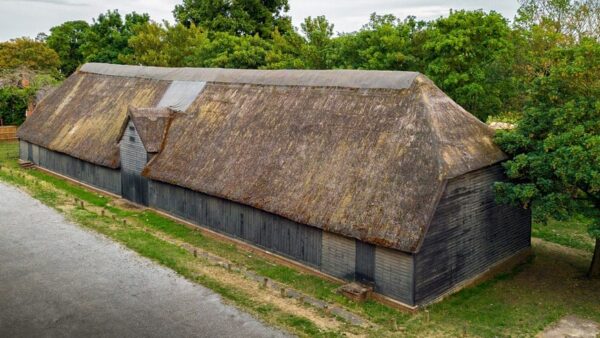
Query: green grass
x=519 y=303
x=9 y=151
x=572 y=233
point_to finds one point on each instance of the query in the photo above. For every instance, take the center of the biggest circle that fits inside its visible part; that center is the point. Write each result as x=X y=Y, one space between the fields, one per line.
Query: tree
x=230 y=51
x=286 y=51
x=468 y=55
x=14 y=98
x=385 y=43
x=577 y=19
x=28 y=53
x=318 y=32
x=236 y=17
x=66 y=40
x=108 y=36
x=164 y=45
x=556 y=147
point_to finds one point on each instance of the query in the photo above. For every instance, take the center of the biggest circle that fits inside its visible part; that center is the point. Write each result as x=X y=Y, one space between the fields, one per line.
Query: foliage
x=66 y=39
x=468 y=56
x=154 y=44
x=318 y=46
x=13 y=104
x=385 y=43
x=14 y=99
x=286 y=51
x=556 y=146
x=578 y=19
x=236 y=17
x=108 y=36
x=231 y=51
x=27 y=53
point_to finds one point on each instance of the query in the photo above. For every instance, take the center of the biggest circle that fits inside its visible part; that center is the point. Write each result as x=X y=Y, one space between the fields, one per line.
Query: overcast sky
x=29 y=17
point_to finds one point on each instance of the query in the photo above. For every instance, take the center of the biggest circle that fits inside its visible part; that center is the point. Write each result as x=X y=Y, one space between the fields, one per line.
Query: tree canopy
x=66 y=39
x=556 y=147
x=28 y=53
x=236 y=17
x=108 y=36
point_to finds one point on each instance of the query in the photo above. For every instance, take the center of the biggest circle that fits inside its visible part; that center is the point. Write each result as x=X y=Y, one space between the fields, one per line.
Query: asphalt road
x=59 y=280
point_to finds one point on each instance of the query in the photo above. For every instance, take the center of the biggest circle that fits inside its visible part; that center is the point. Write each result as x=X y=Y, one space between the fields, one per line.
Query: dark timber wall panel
x=365 y=262
x=258 y=227
x=98 y=176
x=469 y=233
x=394 y=274
x=339 y=256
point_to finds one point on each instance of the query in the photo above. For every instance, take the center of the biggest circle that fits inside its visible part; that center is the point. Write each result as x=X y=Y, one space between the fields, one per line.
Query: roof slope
x=369 y=164
x=85 y=115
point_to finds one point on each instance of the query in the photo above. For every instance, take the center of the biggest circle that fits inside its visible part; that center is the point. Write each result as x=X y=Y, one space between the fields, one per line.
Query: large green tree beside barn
x=556 y=147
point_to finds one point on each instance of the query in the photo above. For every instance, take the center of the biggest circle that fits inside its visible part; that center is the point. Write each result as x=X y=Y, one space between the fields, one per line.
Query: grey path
x=57 y=279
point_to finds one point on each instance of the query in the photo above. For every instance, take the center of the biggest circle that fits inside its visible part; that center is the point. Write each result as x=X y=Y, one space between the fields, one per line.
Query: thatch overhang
x=152 y=125
x=360 y=153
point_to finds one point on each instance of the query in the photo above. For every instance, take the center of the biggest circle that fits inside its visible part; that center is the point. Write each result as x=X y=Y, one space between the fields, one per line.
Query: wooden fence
x=8 y=133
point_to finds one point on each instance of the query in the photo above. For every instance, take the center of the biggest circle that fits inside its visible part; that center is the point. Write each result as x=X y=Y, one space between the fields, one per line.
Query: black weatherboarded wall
x=297 y=241
x=469 y=233
x=86 y=172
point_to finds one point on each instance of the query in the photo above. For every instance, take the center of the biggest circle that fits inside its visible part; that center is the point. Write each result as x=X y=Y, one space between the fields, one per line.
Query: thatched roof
x=360 y=153
x=152 y=125
x=84 y=117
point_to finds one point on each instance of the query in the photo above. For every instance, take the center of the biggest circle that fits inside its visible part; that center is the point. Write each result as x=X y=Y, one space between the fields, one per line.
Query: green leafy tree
x=165 y=45
x=577 y=19
x=14 y=99
x=286 y=51
x=231 y=51
x=468 y=55
x=236 y=17
x=13 y=104
x=28 y=53
x=108 y=36
x=318 y=32
x=385 y=43
x=556 y=147
x=66 y=39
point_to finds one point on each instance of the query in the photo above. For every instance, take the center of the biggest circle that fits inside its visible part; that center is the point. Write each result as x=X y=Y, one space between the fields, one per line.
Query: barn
x=369 y=176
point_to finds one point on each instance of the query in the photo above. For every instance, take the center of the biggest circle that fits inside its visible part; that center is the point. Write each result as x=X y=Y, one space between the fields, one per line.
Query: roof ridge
x=361 y=79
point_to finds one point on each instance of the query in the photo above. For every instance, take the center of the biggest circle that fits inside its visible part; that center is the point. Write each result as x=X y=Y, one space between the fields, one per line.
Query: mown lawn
x=572 y=233
x=519 y=303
